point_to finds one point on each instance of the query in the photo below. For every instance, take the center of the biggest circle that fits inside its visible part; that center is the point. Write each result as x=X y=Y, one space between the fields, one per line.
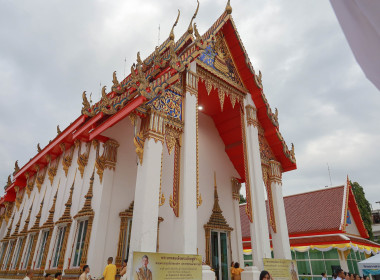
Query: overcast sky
x=51 y=51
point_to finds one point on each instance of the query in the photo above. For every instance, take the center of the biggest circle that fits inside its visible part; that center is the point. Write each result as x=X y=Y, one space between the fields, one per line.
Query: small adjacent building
x=376 y=224
x=326 y=231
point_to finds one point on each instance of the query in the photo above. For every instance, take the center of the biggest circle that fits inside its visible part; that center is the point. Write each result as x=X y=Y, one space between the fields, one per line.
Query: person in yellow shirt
x=236 y=271
x=110 y=270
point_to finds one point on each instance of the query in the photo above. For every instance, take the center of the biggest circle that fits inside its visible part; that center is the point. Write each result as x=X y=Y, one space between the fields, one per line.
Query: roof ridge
x=318 y=190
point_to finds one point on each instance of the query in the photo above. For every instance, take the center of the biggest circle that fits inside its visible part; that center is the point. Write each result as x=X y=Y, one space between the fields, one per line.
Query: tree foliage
x=242 y=199
x=364 y=207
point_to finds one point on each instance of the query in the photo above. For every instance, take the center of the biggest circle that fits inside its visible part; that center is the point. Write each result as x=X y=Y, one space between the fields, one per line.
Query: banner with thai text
x=160 y=266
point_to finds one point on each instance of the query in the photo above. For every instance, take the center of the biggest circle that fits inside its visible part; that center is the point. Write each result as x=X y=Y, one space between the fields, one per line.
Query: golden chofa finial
x=171 y=36
x=85 y=103
x=228 y=7
x=17 y=168
x=190 y=28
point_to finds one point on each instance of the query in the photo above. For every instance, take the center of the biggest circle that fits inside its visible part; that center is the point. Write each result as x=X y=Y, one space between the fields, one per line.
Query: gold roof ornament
x=17 y=168
x=190 y=28
x=85 y=103
x=58 y=130
x=228 y=7
x=39 y=148
x=171 y=36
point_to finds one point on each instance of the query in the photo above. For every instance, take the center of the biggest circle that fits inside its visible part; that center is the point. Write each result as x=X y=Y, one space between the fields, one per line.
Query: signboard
x=281 y=269
x=159 y=266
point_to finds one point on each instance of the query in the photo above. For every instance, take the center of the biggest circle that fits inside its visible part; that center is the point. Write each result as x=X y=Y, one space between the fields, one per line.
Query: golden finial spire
x=18 y=223
x=50 y=220
x=171 y=36
x=9 y=229
x=17 y=168
x=25 y=229
x=190 y=28
x=66 y=217
x=87 y=208
x=228 y=7
x=36 y=226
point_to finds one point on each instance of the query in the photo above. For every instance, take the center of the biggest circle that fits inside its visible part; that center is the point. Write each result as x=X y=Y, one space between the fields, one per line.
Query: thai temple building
x=326 y=231
x=156 y=165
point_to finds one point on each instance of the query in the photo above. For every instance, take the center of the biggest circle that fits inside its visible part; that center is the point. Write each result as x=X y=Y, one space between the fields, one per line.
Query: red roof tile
x=311 y=212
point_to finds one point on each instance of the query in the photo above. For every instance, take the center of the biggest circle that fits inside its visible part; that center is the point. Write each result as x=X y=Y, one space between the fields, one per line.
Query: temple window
x=2 y=249
x=28 y=251
x=79 y=243
x=312 y=262
x=41 y=248
x=219 y=254
x=17 y=253
x=8 y=254
x=58 y=245
x=124 y=235
x=218 y=240
x=127 y=239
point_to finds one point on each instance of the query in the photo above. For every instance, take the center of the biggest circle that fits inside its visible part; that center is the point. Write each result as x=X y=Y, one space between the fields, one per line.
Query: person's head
x=246 y=265
x=125 y=263
x=29 y=273
x=323 y=274
x=58 y=275
x=367 y=278
x=110 y=260
x=86 y=268
x=264 y=275
x=47 y=276
x=236 y=265
x=352 y=276
x=334 y=275
x=232 y=264
x=339 y=273
x=348 y=276
x=145 y=260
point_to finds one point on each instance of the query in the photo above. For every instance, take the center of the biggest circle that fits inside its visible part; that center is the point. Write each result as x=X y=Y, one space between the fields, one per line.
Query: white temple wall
x=117 y=197
x=212 y=157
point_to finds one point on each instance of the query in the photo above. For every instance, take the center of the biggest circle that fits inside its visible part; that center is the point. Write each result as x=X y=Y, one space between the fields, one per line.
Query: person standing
x=123 y=272
x=324 y=276
x=110 y=270
x=85 y=275
x=340 y=274
x=29 y=275
x=236 y=271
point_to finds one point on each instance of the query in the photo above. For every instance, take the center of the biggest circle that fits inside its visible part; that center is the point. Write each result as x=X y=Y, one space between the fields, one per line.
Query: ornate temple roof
x=317 y=212
x=146 y=85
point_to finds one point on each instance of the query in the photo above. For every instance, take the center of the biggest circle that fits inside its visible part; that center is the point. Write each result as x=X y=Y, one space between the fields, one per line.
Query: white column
x=103 y=188
x=280 y=239
x=236 y=199
x=146 y=202
x=188 y=191
x=259 y=227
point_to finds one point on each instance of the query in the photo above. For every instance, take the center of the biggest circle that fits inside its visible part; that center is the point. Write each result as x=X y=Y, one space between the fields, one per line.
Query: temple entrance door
x=220 y=254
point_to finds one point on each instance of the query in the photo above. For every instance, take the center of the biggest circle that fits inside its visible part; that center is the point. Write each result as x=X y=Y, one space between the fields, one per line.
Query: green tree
x=364 y=207
x=242 y=199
